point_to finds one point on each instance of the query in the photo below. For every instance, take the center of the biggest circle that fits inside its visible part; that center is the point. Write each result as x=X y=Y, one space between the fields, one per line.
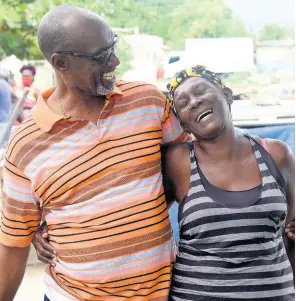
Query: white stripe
x=244 y=270
x=234 y=282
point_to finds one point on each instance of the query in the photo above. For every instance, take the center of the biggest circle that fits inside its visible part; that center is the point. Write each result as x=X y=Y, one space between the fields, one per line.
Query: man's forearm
x=12 y=268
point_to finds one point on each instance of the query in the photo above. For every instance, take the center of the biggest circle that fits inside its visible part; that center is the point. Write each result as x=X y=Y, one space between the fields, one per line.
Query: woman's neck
x=222 y=148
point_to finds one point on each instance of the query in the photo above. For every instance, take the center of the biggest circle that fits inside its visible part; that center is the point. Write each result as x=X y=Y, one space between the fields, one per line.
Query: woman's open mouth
x=204 y=115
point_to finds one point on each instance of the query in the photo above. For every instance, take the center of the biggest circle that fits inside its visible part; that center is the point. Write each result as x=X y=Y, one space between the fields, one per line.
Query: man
x=88 y=162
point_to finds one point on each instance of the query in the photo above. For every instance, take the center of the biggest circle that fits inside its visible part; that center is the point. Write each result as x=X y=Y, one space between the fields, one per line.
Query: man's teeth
x=108 y=75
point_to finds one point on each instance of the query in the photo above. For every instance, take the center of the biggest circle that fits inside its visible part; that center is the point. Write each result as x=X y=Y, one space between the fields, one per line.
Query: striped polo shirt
x=99 y=188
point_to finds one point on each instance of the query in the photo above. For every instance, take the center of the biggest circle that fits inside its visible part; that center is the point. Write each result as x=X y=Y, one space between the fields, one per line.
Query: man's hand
x=290 y=230
x=45 y=252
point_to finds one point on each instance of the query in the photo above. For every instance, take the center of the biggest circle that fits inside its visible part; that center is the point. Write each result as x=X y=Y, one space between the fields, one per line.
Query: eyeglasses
x=102 y=58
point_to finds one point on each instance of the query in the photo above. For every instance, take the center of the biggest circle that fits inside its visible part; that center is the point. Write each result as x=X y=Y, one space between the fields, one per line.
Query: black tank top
x=242 y=198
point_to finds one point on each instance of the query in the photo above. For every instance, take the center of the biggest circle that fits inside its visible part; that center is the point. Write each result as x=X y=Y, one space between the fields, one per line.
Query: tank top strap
x=266 y=175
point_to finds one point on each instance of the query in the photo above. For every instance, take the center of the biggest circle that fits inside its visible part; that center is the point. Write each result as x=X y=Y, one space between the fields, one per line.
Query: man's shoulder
x=22 y=140
x=137 y=87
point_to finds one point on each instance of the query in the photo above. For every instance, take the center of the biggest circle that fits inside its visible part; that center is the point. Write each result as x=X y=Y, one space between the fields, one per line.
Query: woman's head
x=28 y=73
x=201 y=101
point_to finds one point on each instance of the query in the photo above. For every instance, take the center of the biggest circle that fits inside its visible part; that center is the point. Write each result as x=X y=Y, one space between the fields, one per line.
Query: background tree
x=275 y=32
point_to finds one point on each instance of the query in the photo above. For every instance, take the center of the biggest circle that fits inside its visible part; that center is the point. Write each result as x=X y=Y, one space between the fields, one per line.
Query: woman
x=234 y=195
x=28 y=75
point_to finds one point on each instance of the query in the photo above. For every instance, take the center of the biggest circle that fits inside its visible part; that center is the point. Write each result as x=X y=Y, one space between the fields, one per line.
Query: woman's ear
x=228 y=95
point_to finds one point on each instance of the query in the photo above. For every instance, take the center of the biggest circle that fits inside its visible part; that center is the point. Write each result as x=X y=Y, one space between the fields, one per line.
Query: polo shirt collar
x=45 y=117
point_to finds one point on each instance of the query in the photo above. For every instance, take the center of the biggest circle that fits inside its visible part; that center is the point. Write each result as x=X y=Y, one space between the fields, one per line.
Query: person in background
x=5 y=96
x=236 y=196
x=28 y=75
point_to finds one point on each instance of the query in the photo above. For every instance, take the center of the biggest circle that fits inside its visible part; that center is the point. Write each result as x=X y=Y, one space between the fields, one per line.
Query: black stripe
x=97 y=155
x=235 y=229
x=23 y=229
x=104 y=216
x=111 y=294
x=97 y=238
x=20 y=140
x=17 y=235
x=227 y=217
x=99 y=171
x=227 y=244
x=231 y=276
x=15 y=221
x=137 y=87
x=114 y=227
x=17 y=174
x=96 y=218
x=97 y=145
x=18 y=132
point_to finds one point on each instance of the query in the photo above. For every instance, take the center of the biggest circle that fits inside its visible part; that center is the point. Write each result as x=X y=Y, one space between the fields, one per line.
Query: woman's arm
x=284 y=158
x=176 y=171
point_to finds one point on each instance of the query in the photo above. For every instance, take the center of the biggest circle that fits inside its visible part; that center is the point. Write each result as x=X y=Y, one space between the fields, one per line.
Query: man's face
x=93 y=60
x=94 y=72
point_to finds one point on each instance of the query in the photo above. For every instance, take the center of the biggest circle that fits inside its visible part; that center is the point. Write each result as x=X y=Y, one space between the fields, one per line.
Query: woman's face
x=203 y=108
x=27 y=78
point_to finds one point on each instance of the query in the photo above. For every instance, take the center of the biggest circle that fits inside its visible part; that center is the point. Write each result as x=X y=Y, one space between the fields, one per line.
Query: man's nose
x=114 y=60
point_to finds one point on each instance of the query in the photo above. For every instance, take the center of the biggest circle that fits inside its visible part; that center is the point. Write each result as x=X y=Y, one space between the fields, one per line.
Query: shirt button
x=88 y=127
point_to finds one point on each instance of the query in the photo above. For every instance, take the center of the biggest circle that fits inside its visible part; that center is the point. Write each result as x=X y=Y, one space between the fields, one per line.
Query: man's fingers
x=46 y=246
x=46 y=260
x=46 y=253
x=291 y=235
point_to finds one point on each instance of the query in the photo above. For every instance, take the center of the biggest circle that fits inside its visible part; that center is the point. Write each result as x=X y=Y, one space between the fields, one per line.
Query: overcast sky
x=256 y=13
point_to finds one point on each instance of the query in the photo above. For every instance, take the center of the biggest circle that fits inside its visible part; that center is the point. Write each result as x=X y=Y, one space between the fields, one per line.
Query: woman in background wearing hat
x=236 y=194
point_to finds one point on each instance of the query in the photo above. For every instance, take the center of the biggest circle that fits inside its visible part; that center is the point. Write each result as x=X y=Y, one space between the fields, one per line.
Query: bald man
x=88 y=162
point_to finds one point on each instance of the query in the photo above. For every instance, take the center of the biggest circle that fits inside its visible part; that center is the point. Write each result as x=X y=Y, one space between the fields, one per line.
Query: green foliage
x=276 y=32
x=203 y=19
x=173 y=20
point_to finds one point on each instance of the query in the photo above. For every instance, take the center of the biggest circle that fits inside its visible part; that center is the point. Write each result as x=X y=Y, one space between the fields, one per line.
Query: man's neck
x=74 y=103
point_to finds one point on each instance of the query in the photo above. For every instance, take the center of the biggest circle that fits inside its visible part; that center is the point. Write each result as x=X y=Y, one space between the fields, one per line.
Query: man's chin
x=103 y=91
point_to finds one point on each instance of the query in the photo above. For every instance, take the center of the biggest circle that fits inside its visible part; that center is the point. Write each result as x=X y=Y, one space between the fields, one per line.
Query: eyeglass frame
x=95 y=57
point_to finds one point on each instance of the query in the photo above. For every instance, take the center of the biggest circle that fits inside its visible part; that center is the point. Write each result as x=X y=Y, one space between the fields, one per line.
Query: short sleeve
x=171 y=128
x=20 y=214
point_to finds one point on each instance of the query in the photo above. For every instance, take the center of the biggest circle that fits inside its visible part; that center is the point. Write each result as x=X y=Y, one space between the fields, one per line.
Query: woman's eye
x=184 y=104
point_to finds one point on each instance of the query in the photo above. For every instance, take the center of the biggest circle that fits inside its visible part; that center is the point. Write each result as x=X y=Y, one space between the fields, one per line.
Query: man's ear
x=60 y=62
x=228 y=95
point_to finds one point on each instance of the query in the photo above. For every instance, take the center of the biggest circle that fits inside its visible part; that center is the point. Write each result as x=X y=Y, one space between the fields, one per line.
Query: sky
x=256 y=13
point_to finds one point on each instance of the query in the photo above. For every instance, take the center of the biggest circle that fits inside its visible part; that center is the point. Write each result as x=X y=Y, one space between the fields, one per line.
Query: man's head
x=80 y=46
x=201 y=102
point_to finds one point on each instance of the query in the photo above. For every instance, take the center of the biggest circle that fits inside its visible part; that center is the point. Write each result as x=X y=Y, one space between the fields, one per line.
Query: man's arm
x=20 y=219
x=13 y=264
